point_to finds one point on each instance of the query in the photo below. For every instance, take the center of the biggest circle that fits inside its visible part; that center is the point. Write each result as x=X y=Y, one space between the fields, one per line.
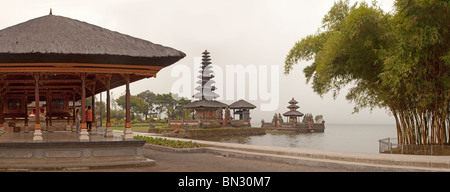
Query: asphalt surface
x=206 y=162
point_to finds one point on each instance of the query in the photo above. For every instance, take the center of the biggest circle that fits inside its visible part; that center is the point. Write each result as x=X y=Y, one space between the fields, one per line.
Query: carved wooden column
x=94 y=124
x=109 y=132
x=37 y=135
x=2 y=119
x=2 y=100
x=128 y=133
x=25 y=125
x=74 y=123
x=49 y=111
x=84 y=135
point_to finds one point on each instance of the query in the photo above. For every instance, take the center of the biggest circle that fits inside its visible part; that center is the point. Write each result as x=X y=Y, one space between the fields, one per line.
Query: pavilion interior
x=58 y=93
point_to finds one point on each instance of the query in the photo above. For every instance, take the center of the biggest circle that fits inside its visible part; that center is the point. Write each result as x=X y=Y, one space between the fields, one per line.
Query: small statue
x=280 y=118
x=275 y=119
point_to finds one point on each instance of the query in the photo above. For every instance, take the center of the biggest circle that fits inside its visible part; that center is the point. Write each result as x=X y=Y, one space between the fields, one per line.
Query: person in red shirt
x=89 y=119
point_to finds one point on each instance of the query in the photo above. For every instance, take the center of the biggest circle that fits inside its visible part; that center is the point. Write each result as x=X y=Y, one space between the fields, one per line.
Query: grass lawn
x=139 y=127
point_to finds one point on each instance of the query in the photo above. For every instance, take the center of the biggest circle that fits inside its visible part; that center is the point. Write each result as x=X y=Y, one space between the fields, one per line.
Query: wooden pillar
x=128 y=133
x=25 y=126
x=94 y=124
x=109 y=132
x=49 y=111
x=100 y=111
x=2 y=119
x=74 y=123
x=84 y=135
x=69 y=124
x=37 y=135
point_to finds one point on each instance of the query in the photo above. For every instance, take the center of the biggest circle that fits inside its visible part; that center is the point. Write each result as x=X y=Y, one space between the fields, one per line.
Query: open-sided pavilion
x=60 y=61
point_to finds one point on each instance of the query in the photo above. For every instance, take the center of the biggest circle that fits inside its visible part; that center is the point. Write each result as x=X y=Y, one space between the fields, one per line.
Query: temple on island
x=293 y=114
x=206 y=107
x=209 y=113
x=293 y=123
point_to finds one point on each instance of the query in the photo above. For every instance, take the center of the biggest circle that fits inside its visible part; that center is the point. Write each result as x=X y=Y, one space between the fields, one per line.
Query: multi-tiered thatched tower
x=206 y=88
x=206 y=108
x=293 y=114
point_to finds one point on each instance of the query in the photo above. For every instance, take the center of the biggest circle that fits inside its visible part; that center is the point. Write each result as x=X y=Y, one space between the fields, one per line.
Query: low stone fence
x=191 y=123
x=219 y=132
x=298 y=127
x=267 y=125
x=18 y=125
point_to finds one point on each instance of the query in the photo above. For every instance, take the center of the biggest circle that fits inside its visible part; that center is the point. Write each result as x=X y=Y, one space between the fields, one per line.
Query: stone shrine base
x=62 y=150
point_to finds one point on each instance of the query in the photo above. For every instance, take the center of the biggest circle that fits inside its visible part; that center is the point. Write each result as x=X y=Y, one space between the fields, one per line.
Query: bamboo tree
x=399 y=61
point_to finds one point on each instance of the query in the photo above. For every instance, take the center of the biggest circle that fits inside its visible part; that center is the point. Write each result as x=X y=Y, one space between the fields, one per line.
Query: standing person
x=89 y=119
x=78 y=120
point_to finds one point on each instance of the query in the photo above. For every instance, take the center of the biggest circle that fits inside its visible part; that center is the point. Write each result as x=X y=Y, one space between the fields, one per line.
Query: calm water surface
x=350 y=138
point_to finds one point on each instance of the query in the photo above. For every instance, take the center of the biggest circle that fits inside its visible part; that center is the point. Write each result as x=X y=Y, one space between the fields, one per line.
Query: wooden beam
x=84 y=65
x=45 y=87
x=140 y=72
x=41 y=92
x=63 y=81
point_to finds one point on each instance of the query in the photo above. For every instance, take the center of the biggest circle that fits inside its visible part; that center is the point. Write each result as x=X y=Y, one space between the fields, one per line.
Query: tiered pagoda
x=206 y=108
x=205 y=88
x=293 y=114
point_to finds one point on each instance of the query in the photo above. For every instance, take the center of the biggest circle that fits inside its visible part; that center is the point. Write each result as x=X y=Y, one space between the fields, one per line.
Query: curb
x=363 y=161
x=174 y=150
x=336 y=164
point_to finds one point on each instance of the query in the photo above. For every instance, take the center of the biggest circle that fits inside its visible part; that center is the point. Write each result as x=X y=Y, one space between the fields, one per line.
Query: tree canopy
x=399 y=61
x=137 y=105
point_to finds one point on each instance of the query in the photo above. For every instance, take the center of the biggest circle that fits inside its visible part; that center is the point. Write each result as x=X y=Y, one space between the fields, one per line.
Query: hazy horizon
x=245 y=32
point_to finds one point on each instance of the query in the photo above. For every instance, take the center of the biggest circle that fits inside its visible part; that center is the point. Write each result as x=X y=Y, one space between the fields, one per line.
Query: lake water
x=349 y=138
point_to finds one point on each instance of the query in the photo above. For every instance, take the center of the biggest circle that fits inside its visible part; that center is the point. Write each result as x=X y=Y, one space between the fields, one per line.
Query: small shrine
x=293 y=123
x=293 y=114
x=242 y=109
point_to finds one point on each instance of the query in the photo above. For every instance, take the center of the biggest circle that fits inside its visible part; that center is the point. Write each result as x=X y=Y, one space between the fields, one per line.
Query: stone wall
x=57 y=155
x=218 y=132
x=298 y=127
x=57 y=125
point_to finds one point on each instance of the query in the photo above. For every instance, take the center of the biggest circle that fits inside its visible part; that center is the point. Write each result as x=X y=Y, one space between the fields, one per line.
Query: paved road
x=207 y=162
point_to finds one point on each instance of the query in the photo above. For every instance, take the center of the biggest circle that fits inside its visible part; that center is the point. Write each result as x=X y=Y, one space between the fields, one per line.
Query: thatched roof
x=206 y=104
x=242 y=104
x=293 y=102
x=293 y=106
x=61 y=49
x=293 y=114
x=57 y=39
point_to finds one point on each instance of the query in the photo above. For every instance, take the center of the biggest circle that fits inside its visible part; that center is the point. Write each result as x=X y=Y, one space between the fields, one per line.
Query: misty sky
x=236 y=32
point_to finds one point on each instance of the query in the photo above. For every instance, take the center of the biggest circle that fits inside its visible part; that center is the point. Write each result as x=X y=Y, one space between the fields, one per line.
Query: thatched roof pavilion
x=205 y=104
x=242 y=104
x=293 y=114
x=56 y=44
x=243 y=109
x=58 y=59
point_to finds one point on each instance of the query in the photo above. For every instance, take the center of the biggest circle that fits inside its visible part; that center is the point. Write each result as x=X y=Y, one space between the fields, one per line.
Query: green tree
x=148 y=97
x=172 y=105
x=137 y=105
x=318 y=118
x=398 y=61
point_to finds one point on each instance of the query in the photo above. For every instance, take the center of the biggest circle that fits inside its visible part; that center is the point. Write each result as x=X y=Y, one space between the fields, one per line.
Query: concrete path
x=348 y=161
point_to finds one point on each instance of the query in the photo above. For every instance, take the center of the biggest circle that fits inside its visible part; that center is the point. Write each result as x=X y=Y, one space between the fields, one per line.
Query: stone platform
x=60 y=150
